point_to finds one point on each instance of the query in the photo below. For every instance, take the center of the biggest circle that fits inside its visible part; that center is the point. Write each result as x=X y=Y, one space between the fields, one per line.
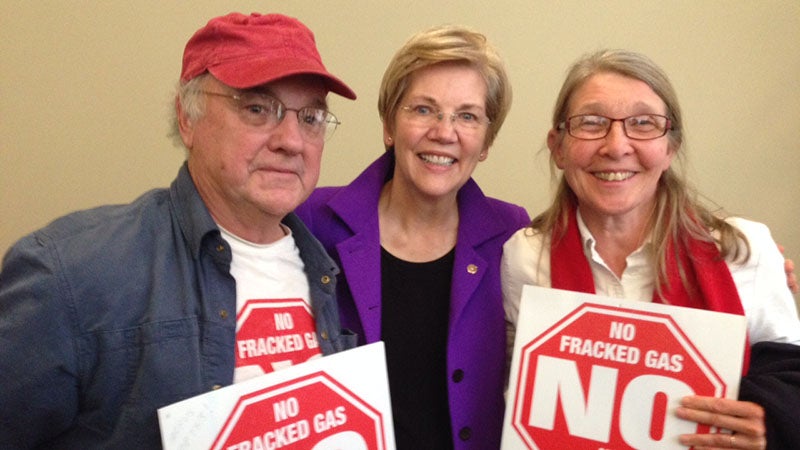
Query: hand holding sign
x=594 y=372
x=745 y=419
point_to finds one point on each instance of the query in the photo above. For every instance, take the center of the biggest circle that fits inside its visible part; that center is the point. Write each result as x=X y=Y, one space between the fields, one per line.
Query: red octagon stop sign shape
x=606 y=377
x=311 y=412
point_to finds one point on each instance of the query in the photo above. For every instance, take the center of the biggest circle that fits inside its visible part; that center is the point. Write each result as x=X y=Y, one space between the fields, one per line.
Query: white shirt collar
x=638 y=278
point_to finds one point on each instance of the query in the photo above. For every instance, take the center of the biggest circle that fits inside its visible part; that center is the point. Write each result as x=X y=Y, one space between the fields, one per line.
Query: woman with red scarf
x=625 y=224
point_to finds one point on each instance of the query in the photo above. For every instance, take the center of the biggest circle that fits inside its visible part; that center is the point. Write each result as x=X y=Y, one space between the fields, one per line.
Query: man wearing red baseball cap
x=108 y=314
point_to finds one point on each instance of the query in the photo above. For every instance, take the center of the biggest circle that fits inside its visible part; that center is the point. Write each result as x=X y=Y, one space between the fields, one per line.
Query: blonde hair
x=448 y=43
x=678 y=216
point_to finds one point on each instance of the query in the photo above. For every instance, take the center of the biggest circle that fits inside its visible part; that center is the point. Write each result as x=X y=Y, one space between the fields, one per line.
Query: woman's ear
x=554 y=141
x=388 y=140
x=671 y=152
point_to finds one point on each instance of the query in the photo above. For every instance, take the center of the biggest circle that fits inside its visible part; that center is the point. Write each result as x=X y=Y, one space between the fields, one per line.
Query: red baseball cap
x=246 y=51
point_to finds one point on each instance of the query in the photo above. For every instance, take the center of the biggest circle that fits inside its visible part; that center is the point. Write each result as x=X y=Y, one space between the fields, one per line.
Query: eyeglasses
x=263 y=110
x=641 y=128
x=428 y=116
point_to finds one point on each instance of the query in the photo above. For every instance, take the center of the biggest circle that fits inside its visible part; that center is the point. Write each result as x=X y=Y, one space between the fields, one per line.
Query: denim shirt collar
x=191 y=212
x=197 y=225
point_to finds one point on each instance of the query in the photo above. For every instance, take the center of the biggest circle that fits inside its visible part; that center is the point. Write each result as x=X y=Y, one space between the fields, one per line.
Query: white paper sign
x=593 y=372
x=340 y=401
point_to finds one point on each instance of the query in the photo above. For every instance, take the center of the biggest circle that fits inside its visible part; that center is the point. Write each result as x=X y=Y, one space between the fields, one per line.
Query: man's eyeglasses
x=428 y=116
x=592 y=126
x=263 y=110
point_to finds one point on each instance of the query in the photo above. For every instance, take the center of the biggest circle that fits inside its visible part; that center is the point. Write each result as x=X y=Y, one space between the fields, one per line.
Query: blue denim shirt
x=108 y=314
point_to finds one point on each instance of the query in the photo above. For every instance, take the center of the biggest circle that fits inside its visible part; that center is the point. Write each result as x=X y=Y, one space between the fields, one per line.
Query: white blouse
x=761 y=281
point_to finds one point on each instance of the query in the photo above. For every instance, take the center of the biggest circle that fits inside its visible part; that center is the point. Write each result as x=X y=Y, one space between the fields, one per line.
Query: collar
x=638 y=259
x=361 y=215
x=193 y=217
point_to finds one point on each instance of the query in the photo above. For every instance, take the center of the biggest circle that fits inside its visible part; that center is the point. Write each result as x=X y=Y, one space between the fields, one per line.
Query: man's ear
x=185 y=125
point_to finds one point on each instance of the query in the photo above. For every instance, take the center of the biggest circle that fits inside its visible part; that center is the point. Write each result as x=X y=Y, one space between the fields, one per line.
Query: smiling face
x=249 y=177
x=614 y=176
x=436 y=160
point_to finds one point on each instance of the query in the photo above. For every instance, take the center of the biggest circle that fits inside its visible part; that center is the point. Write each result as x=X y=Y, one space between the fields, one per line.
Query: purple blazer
x=345 y=220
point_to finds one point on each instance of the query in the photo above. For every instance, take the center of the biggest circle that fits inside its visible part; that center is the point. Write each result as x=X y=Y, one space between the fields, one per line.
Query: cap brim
x=247 y=74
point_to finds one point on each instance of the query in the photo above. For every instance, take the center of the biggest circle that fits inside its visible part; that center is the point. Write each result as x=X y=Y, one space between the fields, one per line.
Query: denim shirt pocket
x=133 y=371
x=346 y=340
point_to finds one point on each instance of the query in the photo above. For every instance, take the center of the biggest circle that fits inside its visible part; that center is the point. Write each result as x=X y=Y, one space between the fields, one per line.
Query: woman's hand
x=791 y=278
x=744 y=419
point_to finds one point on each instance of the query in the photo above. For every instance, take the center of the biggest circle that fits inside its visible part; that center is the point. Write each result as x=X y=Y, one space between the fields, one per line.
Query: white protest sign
x=340 y=401
x=592 y=372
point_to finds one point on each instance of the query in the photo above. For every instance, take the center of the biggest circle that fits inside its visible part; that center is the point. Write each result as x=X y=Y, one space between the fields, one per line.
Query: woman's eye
x=591 y=122
x=642 y=121
x=467 y=117
x=423 y=110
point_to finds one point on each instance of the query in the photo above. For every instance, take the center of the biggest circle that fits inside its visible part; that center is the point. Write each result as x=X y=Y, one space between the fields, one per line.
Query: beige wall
x=85 y=91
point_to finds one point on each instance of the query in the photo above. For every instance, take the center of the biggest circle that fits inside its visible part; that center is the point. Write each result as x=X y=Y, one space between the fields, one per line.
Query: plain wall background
x=86 y=88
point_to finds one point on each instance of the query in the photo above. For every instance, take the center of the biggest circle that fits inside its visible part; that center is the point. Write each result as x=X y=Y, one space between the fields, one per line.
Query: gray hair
x=678 y=215
x=190 y=96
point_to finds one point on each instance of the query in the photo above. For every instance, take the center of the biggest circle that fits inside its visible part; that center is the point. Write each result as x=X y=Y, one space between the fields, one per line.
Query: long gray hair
x=679 y=215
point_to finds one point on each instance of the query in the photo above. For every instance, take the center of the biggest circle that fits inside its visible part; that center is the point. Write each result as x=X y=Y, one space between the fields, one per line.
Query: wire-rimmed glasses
x=263 y=110
x=429 y=116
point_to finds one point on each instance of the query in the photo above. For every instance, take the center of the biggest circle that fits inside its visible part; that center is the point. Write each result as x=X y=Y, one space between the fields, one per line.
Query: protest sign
x=592 y=372
x=339 y=401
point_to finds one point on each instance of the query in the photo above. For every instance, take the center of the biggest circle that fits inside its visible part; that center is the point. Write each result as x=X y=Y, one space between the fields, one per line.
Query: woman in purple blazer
x=419 y=243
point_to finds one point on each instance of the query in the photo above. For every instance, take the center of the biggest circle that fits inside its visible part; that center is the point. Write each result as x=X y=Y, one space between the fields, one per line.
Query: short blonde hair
x=447 y=43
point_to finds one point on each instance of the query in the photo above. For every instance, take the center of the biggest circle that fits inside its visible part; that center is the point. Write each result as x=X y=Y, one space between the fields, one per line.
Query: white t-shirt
x=275 y=327
x=761 y=281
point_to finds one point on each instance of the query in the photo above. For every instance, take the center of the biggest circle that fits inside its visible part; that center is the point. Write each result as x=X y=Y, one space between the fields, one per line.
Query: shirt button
x=465 y=433
x=325 y=279
x=324 y=335
x=223 y=313
x=220 y=248
x=472 y=269
x=216 y=386
x=458 y=375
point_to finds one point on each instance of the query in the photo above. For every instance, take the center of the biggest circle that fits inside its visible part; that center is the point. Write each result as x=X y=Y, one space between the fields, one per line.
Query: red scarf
x=705 y=269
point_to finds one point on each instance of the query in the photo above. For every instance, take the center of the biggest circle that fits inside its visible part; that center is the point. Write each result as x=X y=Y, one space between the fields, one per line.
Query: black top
x=414 y=323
